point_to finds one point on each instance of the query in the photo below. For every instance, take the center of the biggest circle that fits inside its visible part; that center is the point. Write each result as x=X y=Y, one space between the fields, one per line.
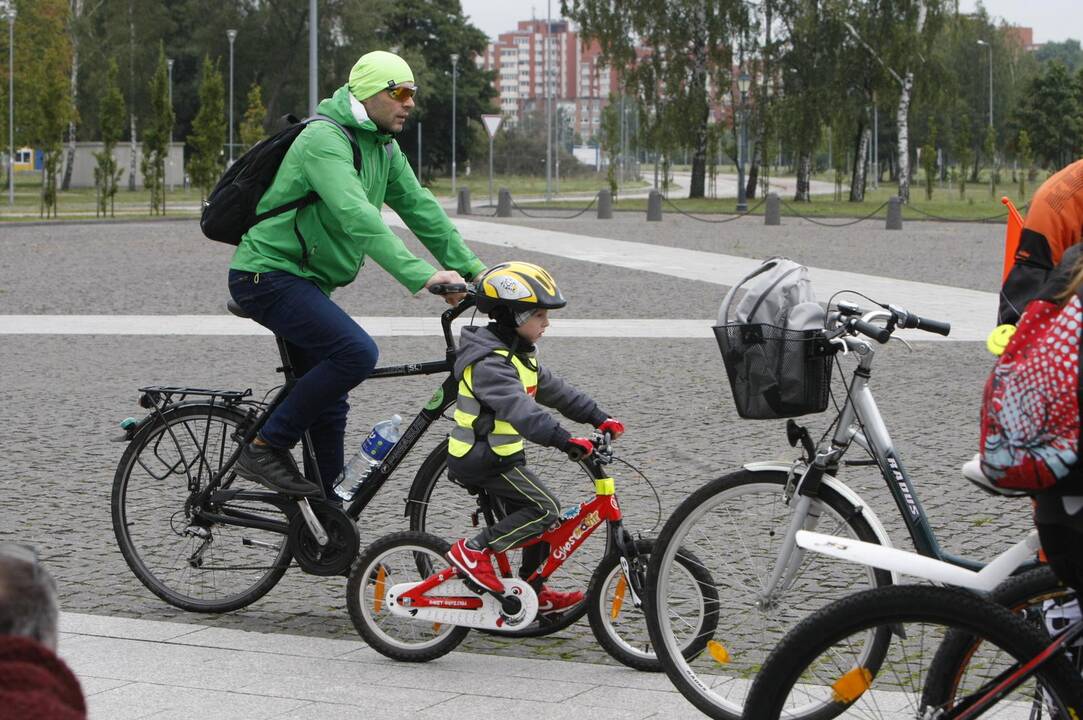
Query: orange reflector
x=618 y=598
x=378 y=601
x=719 y=653
x=436 y=627
x=850 y=686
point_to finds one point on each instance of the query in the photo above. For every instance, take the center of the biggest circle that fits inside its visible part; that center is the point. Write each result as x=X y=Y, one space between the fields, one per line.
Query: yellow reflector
x=719 y=653
x=605 y=486
x=378 y=600
x=618 y=598
x=850 y=686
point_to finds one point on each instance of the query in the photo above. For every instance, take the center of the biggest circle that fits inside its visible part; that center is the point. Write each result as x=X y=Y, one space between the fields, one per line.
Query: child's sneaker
x=476 y=565
x=554 y=601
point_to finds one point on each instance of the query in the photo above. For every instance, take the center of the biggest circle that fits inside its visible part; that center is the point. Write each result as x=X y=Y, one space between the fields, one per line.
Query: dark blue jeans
x=331 y=354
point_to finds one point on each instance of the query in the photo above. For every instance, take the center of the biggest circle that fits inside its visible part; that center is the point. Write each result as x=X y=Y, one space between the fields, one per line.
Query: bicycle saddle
x=972 y=472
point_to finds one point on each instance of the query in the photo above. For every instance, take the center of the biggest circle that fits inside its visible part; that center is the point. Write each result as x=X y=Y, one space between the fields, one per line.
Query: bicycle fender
x=842 y=489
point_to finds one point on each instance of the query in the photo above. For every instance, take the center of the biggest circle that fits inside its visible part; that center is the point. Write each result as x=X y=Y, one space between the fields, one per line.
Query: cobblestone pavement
x=61 y=398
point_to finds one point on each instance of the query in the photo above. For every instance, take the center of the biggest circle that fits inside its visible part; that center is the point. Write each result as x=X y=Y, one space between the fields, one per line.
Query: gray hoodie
x=496 y=385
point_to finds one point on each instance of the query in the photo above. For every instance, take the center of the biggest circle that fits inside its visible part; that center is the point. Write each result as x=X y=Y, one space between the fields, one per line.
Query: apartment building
x=578 y=83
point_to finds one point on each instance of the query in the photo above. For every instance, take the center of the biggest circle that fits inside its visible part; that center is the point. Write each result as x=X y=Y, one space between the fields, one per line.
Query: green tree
x=928 y=161
x=46 y=81
x=963 y=152
x=1067 y=53
x=111 y=113
x=1051 y=112
x=689 y=43
x=156 y=135
x=208 y=130
x=252 y=123
x=1026 y=157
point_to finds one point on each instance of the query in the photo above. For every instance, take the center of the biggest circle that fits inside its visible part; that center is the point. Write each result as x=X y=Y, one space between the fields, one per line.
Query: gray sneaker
x=274 y=469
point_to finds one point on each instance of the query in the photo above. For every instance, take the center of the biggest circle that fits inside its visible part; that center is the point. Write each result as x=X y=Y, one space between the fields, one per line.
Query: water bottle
x=374 y=449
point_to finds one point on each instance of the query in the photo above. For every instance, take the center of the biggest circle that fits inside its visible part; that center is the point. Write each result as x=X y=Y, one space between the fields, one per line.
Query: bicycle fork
x=805 y=516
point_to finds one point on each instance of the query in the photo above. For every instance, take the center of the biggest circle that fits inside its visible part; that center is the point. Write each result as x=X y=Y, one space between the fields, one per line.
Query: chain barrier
x=738 y=216
x=488 y=214
x=556 y=217
x=990 y=219
x=871 y=215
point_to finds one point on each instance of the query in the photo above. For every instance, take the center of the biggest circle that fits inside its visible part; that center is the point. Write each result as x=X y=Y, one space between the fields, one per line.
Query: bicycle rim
x=733 y=528
x=820 y=662
x=195 y=566
x=444 y=508
x=389 y=561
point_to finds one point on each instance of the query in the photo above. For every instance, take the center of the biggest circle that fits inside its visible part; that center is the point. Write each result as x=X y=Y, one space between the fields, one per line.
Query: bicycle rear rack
x=161 y=396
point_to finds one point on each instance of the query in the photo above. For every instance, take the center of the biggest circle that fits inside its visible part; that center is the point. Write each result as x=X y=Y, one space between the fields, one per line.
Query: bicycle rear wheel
x=820 y=664
x=191 y=564
x=734 y=527
x=442 y=507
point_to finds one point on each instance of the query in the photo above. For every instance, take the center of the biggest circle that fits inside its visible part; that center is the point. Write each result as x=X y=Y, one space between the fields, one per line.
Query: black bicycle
x=205 y=540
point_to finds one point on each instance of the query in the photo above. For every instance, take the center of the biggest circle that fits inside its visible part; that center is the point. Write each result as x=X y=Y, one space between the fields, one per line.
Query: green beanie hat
x=376 y=71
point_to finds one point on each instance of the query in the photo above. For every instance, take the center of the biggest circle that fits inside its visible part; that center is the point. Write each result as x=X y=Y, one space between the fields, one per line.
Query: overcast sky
x=1052 y=20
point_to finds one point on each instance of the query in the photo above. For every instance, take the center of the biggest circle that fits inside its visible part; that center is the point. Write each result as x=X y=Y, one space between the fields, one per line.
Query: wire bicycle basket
x=774 y=371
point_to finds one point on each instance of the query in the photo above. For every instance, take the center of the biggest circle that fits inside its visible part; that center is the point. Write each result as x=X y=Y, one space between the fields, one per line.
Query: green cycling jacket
x=344 y=226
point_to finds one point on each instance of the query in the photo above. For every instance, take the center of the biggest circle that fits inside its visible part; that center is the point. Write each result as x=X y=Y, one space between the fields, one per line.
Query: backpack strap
x=349 y=136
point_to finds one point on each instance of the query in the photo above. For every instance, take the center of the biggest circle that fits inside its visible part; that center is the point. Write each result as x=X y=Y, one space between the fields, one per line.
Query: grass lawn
x=82 y=202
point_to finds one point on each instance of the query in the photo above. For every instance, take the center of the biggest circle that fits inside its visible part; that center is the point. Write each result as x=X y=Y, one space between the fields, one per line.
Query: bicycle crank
x=337 y=553
x=452 y=602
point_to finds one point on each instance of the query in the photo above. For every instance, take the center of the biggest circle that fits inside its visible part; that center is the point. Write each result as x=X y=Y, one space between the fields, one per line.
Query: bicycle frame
x=860 y=423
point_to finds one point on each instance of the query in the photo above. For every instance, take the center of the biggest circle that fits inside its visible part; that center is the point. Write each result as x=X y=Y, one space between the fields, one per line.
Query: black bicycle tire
x=418 y=502
x=353 y=595
x=597 y=610
x=691 y=689
x=895 y=606
x=118 y=505
x=1019 y=594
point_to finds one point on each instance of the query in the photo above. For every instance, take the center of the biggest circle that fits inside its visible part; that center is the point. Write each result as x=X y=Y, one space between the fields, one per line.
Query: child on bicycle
x=502 y=389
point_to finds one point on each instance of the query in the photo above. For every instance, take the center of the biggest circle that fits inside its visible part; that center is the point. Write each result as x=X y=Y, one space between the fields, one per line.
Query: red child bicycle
x=409 y=604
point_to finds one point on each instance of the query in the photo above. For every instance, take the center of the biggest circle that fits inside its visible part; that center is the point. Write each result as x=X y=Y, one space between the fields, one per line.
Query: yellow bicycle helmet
x=512 y=291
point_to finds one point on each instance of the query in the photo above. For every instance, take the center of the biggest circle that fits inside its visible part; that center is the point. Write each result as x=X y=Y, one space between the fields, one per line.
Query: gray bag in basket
x=766 y=343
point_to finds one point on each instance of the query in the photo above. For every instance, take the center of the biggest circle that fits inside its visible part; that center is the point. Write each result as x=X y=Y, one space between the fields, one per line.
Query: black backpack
x=230 y=209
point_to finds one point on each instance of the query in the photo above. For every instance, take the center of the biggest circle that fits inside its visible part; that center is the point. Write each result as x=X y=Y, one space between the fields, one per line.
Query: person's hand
x=449 y=277
x=578 y=448
x=613 y=426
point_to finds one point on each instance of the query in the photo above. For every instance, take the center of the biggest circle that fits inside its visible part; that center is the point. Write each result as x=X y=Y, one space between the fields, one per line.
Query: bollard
x=894 y=213
x=503 y=203
x=464 y=201
x=772 y=215
x=654 y=206
x=605 y=205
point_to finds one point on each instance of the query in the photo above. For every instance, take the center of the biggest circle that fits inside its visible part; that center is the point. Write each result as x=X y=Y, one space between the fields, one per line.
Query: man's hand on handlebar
x=447 y=277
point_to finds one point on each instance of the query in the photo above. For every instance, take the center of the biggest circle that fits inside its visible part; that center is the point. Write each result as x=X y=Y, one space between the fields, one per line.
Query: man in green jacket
x=286 y=267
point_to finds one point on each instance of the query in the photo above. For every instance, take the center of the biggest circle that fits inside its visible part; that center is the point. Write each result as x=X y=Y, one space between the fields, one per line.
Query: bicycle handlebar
x=448 y=288
x=909 y=320
x=602 y=443
x=853 y=319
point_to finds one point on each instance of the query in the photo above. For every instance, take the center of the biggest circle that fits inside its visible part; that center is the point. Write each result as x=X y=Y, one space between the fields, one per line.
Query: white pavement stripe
x=972 y=313
x=375 y=326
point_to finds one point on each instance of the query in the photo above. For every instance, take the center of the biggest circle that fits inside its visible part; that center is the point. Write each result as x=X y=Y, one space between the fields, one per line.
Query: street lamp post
x=742 y=85
x=11 y=104
x=169 y=67
x=232 y=35
x=990 y=47
x=454 y=84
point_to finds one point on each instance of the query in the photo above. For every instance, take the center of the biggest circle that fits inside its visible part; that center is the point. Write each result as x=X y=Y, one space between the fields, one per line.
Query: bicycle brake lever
x=903 y=341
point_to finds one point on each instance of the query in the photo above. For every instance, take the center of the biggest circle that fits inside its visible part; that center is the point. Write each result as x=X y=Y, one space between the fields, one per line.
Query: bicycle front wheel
x=956 y=669
x=734 y=527
x=821 y=662
x=442 y=507
x=191 y=564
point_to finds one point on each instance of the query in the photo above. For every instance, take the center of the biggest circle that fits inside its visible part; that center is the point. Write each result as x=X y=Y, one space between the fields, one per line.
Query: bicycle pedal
x=474 y=519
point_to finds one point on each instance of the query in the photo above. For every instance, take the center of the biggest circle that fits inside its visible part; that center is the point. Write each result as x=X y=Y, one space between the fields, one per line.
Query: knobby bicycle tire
x=1025 y=595
x=152 y=519
x=733 y=524
x=812 y=661
x=440 y=506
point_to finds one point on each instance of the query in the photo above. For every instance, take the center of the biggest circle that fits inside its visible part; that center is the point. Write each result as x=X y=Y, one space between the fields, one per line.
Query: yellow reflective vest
x=504 y=439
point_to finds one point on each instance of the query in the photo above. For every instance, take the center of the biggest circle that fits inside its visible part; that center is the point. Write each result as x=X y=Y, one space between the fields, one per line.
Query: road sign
x=492 y=123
